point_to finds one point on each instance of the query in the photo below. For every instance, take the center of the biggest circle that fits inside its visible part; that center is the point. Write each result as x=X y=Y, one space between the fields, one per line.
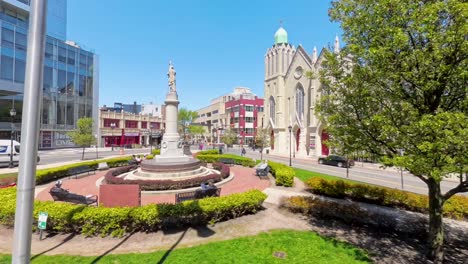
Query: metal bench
x=81 y=169
x=59 y=194
x=226 y=161
x=262 y=170
x=197 y=194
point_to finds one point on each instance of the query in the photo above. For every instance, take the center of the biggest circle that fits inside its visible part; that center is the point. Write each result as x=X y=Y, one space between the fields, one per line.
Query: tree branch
x=462 y=187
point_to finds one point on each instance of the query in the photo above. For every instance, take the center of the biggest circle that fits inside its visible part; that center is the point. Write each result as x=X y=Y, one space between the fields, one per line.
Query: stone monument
x=172 y=156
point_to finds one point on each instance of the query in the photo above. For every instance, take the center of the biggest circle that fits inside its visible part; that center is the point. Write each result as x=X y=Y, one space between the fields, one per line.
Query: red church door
x=325 y=150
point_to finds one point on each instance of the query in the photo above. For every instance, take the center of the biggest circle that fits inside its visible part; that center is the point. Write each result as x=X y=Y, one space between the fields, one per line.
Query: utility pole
x=29 y=133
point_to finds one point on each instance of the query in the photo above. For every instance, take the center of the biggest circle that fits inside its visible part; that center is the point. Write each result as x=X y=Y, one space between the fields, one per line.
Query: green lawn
x=299 y=247
x=304 y=175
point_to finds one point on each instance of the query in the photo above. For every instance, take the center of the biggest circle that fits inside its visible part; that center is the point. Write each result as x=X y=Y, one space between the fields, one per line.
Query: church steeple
x=336 y=47
x=314 y=55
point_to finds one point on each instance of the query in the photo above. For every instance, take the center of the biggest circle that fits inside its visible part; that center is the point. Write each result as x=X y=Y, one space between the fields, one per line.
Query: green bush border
x=456 y=207
x=212 y=158
x=90 y=220
x=47 y=175
x=283 y=174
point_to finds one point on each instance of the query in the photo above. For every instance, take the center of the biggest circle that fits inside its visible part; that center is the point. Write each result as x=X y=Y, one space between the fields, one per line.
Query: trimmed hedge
x=212 y=158
x=456 y=207
x=90 y=220
x=208 y=152
x=283 y=174
x=155 y=152
x=152 y=185
x=51 y=174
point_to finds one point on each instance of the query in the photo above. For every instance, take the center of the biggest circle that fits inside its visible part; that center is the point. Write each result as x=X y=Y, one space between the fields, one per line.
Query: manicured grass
x=299 y=247
x=304 y=175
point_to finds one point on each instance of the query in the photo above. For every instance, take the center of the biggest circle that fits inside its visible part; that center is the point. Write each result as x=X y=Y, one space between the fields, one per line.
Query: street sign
x=42 y=223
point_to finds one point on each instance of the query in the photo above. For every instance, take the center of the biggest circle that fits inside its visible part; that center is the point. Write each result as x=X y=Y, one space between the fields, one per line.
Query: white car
x=6 y=151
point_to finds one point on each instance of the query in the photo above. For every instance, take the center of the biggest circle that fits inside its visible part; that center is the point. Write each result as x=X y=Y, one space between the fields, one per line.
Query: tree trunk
x=82 y=155
x=436 y=230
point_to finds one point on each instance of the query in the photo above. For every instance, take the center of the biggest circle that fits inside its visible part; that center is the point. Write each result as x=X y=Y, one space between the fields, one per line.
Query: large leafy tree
x=399 y=91
x=186 y=118
x=196 y=130
x=83 y=135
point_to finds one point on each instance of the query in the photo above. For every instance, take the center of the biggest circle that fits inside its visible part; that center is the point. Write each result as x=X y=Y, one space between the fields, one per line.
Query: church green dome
x=281 y=36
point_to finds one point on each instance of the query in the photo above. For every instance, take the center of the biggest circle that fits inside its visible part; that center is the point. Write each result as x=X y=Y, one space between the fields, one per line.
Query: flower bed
x=456 y=207
x=152 y=185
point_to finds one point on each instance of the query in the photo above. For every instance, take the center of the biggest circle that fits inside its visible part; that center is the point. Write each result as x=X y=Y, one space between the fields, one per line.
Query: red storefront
x=244 y=112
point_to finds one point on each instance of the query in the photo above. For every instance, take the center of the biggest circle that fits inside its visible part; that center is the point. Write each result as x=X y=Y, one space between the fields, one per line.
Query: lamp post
x=12 y=115
x=151 y=138
x=290 y=128
x=112 y=129
x=97 y=146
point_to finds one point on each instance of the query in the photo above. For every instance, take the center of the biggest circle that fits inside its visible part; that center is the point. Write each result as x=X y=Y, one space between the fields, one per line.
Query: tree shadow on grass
x=112 y=249
x=168 y=252
x=65 y=240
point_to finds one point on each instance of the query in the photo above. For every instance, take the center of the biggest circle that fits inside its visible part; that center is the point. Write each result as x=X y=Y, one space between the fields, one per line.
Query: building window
x=131 y=124
x=300 y=101
x=155 y=125
x=249 y=108
x=249 y=119
x=144 y=124
x=6 y=68
x=272 y=108
x=108 y=122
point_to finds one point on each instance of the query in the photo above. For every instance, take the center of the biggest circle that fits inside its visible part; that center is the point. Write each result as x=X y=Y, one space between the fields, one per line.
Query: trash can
x=267 y=151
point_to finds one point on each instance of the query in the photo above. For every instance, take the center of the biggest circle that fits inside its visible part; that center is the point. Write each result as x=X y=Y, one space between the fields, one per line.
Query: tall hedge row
x=283 y=174
x=456 y=207
x=90 y=220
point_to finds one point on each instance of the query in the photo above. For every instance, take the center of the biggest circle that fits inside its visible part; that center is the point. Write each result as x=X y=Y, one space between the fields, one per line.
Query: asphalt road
x=368 y=173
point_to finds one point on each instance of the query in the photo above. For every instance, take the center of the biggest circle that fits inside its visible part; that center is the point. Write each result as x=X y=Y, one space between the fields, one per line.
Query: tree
x=196 y=130
x=262 y=139
x=83 y=135
x=399 y=91
x=186 y=117
x=229 y=137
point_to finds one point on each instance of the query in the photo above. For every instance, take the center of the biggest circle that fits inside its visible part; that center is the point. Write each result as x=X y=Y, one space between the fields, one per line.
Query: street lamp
x=290 y=128
x=12 y=115
x=151 y=138
x=112 y=129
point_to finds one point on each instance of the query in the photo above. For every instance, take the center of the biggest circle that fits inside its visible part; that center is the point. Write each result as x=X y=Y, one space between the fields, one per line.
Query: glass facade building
x=70 y=85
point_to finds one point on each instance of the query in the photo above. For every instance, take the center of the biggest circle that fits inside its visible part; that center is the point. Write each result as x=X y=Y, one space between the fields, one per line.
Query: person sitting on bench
x=208 y=186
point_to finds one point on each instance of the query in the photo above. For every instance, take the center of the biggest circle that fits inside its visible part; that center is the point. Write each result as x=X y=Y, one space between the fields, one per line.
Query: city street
x=368 y=173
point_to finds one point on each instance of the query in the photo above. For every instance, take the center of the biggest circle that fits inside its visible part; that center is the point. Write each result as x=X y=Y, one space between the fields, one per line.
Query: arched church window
x=300 y=101
x=272 y=108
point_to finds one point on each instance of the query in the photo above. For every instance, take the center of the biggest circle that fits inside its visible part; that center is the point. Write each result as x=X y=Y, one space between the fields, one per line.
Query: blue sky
x=214 y=45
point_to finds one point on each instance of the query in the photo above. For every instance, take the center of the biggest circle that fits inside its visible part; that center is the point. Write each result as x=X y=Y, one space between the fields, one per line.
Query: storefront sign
x=61 y=139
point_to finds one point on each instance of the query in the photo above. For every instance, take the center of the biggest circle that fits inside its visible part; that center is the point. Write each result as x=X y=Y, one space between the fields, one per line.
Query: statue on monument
x=172 y=78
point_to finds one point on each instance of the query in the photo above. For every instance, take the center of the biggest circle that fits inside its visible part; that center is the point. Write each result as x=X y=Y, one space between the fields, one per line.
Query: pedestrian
x=243 y=152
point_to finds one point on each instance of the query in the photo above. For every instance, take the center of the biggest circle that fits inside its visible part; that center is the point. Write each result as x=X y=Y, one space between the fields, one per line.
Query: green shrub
x=149 y=157
x=156 y=152
x=212 y=158
x=209 y=152
x=51 y=174
x=284 y=174
x=456 y=207
x=90 y=220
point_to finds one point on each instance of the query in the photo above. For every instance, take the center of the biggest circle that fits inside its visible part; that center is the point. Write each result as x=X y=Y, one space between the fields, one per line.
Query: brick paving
x=244 y=180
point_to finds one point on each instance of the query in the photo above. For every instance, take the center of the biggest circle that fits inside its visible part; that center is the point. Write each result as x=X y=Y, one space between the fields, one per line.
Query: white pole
x=29 y=133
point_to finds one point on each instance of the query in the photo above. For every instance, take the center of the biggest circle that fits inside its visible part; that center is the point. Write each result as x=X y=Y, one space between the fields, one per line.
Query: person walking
x=243 y=152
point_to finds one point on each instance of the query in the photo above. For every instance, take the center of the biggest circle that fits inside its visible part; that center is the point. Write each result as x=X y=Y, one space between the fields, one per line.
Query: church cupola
x=281 y=36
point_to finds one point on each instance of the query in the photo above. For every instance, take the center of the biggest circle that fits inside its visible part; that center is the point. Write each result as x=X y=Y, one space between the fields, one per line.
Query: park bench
x=226 y=161
x=60 y=194
x=81 y=169
x=262 y=170
x=197 y=194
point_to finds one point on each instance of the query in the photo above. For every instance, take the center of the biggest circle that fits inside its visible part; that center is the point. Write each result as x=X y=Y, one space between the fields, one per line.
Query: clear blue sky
x=214 y=45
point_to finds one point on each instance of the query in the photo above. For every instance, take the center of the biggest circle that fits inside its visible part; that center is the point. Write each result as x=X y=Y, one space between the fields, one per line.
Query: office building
x=71 y=75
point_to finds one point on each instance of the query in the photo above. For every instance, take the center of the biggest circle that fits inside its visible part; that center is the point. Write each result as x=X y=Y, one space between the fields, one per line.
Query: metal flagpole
x=29 y=133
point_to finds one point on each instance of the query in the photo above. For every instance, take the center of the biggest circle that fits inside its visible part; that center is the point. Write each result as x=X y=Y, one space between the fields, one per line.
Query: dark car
x=335 y=160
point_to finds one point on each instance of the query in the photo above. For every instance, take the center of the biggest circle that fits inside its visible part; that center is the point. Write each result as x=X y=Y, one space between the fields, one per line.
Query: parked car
x=335 y=160
x=5 y=152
